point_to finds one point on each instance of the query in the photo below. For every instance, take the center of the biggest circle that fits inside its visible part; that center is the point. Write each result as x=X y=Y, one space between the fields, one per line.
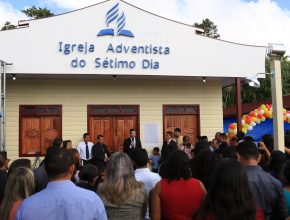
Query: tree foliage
x=8 y=26
x=36 y=13
x=210 y=28
x=250 y=94
x=32 y=12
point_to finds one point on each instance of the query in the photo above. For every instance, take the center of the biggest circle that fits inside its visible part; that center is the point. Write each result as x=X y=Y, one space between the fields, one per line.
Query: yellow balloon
x=244 y=130
x=231 y=131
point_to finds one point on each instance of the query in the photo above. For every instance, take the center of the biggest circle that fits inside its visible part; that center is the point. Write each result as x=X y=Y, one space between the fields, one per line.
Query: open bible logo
x=114 y=15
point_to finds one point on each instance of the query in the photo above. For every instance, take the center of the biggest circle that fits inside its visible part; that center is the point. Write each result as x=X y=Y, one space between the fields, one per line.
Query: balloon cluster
x=255 y=117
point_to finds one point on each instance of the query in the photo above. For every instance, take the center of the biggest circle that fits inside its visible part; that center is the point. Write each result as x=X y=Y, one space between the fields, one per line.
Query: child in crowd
x=154 y=159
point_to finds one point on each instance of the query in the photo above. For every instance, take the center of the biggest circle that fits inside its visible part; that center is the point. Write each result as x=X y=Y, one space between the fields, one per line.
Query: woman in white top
x=187 y=147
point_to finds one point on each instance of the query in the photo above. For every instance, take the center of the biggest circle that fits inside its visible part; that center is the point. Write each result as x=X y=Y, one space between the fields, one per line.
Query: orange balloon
x=253 y=114
x=231 y=135
x=232 y=126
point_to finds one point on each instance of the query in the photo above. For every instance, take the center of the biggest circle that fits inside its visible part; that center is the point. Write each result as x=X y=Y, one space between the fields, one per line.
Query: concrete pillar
x=277 y=100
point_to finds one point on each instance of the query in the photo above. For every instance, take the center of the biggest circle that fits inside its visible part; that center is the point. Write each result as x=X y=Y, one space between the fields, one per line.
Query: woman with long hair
x=123 y=196
x=177 y=195
x=203 y=165
x=20 y=185
x=229 y=196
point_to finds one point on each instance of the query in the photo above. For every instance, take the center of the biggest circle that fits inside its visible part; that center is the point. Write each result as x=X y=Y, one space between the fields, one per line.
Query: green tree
x=36 y=13
x=210 y=28
x=285 y=69
x=7 y=26
x=32 y=12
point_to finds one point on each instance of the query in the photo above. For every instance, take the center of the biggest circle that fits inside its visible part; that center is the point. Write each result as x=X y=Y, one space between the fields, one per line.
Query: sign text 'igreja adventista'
x=113 y=62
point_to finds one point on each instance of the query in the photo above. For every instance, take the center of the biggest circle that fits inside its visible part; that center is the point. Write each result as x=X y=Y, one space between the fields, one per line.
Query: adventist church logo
x=120 y=21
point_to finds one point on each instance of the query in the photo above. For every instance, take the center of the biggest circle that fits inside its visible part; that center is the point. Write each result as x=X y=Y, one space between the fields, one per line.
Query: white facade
x=60 y=61
x=39 y=48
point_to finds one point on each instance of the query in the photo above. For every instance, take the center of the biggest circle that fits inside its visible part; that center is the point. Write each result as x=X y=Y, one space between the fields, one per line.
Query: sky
x=255 y=22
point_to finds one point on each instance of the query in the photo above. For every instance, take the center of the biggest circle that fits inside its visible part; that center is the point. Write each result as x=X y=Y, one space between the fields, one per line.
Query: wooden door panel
x=187 y=123
x=172 y=122
x=50 y=129
x=120 y=134
x=115 y=129
x=30 y=135
x=94 y=128
x=189 y=127
x=122 y=126
x=102 y=126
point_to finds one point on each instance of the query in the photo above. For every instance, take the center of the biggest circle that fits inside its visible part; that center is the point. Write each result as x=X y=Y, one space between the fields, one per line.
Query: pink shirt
x=14 y=209
x=188 y=151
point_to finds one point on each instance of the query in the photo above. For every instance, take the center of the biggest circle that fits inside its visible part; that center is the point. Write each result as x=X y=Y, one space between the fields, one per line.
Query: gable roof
x=36 y=49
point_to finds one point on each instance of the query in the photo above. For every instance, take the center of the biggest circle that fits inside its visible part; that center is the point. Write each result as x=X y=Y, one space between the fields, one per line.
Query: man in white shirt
x=143 y=174
x=85 y=149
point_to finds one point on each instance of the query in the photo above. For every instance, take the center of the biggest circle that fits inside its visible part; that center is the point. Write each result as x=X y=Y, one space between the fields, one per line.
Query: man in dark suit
x=168 y=140
x=131 y=143
x=100 y=152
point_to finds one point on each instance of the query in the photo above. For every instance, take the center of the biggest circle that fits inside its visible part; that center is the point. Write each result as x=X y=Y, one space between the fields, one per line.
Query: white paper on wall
x=151 y=132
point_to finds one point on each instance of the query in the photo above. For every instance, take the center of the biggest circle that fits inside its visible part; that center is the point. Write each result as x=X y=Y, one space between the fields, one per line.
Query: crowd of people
x=223 y=179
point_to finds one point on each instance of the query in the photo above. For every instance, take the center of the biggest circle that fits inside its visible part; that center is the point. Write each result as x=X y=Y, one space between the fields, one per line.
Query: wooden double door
x=185 y=117
x=115 y=127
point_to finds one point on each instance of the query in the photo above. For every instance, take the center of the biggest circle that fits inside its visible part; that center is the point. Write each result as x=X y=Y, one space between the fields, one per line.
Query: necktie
x=87 y=151
x=133 y=142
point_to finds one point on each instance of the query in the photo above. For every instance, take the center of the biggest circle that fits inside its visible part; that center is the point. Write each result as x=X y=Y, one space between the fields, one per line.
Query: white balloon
x=243 y=122
x=250 y=128
x=288 y=115
x=262 y=112
x=253 y=123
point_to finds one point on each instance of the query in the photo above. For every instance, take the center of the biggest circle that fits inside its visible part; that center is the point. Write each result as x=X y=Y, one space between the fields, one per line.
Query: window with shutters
x=39 y=125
